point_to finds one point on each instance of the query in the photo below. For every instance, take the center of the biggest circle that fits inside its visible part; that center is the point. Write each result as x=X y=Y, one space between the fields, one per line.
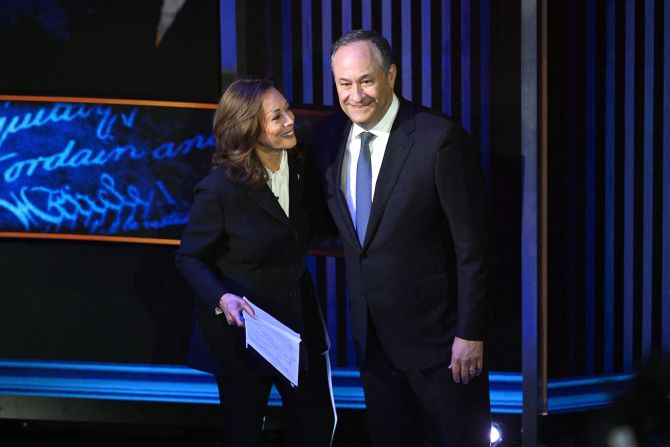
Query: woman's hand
x=232 y=307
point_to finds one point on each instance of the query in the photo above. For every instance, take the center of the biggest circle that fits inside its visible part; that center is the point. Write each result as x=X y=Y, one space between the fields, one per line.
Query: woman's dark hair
x=237 y=129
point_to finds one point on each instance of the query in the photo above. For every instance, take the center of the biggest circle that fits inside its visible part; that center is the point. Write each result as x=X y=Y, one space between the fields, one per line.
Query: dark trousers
x=309 y=407
x=422 y=408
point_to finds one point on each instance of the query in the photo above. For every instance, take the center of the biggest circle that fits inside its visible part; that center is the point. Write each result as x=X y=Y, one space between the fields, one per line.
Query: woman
x=247 y=234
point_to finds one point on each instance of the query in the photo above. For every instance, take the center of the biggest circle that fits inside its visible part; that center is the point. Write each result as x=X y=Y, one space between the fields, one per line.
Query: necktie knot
x=366 y=137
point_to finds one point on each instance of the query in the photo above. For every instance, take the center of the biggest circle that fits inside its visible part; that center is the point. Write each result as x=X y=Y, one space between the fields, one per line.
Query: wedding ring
x=472 y=370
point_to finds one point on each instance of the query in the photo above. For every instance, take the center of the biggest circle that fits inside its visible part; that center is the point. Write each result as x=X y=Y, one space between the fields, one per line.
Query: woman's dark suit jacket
x=239 y=240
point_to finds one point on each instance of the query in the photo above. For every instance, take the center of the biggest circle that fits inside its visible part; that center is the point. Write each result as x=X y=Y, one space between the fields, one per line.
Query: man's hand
x=467 y=359
x=232 y=307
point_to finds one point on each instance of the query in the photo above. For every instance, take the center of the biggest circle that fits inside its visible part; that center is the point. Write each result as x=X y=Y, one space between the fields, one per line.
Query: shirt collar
x=384 y=125
x=283 y=165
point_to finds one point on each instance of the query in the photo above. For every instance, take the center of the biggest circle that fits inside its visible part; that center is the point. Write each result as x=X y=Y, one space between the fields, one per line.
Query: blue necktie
x=363 y=186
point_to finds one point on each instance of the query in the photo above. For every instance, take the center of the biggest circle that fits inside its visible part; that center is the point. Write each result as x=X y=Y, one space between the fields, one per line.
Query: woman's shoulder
x=217 y=179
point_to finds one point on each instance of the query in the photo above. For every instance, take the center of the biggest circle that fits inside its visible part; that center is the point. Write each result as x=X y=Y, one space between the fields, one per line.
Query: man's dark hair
x=381 y=45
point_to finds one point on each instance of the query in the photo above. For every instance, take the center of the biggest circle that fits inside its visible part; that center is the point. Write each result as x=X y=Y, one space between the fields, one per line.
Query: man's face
x=364 y=90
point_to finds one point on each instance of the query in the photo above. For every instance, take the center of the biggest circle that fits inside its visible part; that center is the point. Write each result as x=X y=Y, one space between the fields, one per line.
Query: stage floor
x=351 y=432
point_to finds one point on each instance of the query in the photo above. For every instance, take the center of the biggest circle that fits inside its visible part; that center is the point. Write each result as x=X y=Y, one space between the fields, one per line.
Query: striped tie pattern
x=363 y=186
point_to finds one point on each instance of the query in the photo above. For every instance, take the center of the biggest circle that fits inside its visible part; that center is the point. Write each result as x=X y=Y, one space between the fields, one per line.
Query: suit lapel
x=295 y=191
x=269 y=202
x=397 y=149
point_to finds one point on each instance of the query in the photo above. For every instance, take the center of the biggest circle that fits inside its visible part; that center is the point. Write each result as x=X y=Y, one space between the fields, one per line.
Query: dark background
x=608 y=231
x=100 y=48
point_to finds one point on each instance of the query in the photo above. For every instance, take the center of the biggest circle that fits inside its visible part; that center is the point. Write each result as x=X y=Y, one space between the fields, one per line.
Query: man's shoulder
x=428 y=122
x=423 y=113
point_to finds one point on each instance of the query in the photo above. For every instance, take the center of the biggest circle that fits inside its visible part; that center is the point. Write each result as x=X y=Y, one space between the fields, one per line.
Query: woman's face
x=276 y=121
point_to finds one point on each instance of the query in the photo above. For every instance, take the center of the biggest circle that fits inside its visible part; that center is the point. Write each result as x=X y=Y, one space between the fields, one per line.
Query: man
x=406 y=191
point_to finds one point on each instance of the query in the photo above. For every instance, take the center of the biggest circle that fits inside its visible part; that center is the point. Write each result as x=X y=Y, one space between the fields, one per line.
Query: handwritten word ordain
x=68 y=157
x=71 y=158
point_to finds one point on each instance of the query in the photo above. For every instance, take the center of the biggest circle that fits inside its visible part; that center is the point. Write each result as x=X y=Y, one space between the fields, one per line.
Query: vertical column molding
x=446 y=57
x=610 y=203
x=629 y=188
x=543 y=282
x=367 y=14
x=466 y=65
x=590 y=187
x=228 y=33
x=532 y=321
x=648 y=181
x=387 y=17
x=307 y=53
x=406 y=47
x=484 y=85
x=346 y=16
x=426 y=54
x=326 y=42
x=665 y=280
x=287 y=49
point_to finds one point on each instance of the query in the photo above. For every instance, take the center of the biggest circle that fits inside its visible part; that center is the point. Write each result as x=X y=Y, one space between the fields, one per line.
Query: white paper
x=275 y=341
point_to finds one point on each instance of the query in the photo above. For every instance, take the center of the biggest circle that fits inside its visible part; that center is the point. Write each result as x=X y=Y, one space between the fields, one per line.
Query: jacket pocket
x=414 y=183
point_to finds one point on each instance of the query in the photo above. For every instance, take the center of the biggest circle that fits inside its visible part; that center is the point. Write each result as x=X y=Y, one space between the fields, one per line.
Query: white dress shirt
x=381 y=131
x=278 y=182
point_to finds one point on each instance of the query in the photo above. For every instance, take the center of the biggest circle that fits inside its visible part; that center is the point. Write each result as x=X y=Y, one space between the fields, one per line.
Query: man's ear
x=390 y=77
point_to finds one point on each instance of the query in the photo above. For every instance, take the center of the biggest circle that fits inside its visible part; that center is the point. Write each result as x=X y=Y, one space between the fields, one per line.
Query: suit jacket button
x=293 y=294
x=364 y=256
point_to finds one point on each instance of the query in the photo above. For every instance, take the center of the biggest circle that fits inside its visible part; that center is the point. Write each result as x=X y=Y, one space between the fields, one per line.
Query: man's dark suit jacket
x=423 y=272
x=239 y=240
